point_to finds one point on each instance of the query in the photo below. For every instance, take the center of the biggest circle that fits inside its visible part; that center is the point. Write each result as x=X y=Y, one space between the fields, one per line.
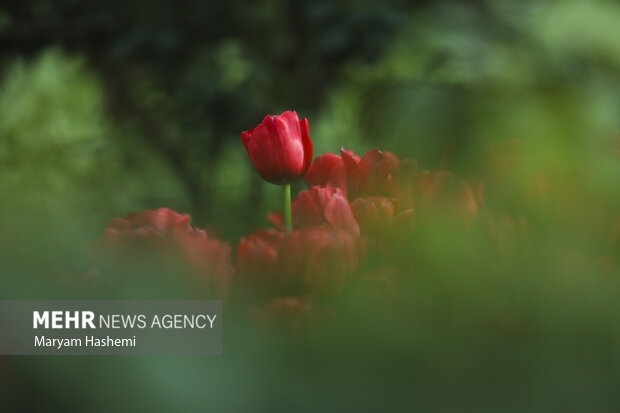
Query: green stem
x=288 y=221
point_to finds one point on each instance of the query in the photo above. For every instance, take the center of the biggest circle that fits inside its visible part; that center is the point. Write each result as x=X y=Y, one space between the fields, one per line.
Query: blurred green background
x=108 y=107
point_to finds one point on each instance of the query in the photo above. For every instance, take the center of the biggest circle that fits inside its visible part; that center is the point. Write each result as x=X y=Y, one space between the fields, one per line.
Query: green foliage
x=60 y=159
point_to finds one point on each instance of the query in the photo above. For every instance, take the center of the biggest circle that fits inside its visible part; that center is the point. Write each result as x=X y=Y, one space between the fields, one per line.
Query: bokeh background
x=108 y=107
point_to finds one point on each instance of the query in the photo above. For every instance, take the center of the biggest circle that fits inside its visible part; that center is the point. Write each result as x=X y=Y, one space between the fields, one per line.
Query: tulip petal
x=351 y=166
x=277 y=220
x=327 y=170
x=339 y=215
x=306 y=143
x=306 y=211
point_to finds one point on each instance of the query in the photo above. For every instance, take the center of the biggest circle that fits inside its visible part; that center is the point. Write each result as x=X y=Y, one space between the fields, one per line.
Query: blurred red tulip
x=280 y=147
x=323 y=257
x=320 y=206
x=257 y=260
x=209 y=257
x=371 y=175
x=162 y=233
x=373 y=213
x=375 y=174
x=156 y=224
x=329 y=171
x=315 y=260
x=385 y=228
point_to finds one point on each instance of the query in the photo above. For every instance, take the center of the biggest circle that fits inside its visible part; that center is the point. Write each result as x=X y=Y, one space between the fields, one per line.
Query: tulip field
x=400 y=207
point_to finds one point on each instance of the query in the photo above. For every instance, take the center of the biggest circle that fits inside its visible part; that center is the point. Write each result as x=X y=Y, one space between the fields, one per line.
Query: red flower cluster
x=355 y=216
x=385 y=178
x=357 y=212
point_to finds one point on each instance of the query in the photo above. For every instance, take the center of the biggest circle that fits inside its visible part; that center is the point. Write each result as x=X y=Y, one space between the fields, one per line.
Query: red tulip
x=155 y=224
x=162 y=234
x=329 y=171
x=373 y=213
x=209 y=257
x=372 y=175
x=314 y=260
x=324 y=257
x=320 y=206
x=280 y=147
x=385 y=227
x=257 y=261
